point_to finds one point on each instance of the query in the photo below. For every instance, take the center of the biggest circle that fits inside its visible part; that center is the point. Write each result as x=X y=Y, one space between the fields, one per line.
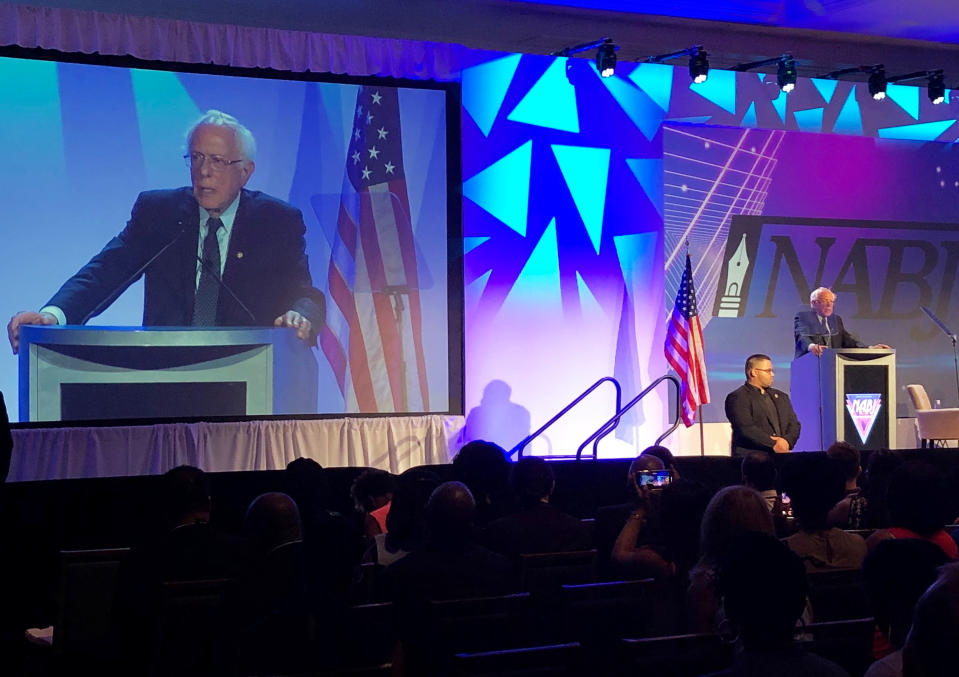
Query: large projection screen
x=82 y=138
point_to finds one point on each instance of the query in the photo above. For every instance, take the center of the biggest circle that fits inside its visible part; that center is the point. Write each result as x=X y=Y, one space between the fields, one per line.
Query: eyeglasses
x=768 y=370
x=218 y=163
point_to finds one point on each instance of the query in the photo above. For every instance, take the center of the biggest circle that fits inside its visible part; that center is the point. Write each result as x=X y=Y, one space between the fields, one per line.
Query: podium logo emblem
x=863 y=408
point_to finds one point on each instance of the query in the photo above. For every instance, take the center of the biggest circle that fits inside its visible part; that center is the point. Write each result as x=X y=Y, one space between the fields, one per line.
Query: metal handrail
x=610 y=425
x=529 y=438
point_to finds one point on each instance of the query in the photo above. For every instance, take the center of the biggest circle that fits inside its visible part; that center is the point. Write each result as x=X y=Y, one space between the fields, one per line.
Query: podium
x=848 y=394
x=72 y=373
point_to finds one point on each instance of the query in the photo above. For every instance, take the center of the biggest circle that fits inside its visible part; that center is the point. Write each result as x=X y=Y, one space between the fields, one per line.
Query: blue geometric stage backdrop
x=581 y=194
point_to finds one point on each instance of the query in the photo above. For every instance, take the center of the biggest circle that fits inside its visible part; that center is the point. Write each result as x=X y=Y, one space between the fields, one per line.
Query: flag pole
x=702 y=443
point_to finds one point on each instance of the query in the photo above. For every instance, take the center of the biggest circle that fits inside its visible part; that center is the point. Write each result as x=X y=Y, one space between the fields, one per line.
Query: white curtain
x=87 y=32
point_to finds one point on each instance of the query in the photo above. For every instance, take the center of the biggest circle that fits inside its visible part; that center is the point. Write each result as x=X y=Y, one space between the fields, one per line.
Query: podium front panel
x=865 y=405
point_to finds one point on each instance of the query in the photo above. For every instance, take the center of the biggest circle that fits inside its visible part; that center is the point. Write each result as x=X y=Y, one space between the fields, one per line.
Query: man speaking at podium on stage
x=213 y=254
x=818 y=328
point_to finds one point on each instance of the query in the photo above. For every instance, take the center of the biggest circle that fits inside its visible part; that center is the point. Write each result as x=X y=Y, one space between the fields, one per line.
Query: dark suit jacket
x=808 y=330
x=750 y=420
x=266 y=265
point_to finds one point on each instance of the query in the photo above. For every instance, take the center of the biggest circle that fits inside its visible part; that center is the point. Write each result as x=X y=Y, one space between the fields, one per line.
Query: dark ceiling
x=823 y=35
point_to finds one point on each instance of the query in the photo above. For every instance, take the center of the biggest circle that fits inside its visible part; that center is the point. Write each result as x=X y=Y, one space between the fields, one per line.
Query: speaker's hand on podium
x=26 y=317
x=291 y=318
x=817 y=349
x=882 y=346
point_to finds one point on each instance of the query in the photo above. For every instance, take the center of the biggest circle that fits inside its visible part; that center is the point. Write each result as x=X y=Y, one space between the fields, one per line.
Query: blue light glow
x=485 y=87
x=550 y=103
x=586 y=171
x=486 y=188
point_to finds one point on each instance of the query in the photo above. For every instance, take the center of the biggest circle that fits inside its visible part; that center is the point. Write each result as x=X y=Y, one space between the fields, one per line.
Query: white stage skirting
x=391 y=443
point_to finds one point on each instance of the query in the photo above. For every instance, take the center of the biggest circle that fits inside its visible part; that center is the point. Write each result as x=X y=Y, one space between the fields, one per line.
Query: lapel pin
x=239 y=255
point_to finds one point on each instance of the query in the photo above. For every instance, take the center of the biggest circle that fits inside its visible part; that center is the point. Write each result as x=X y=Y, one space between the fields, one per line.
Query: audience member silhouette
x=372 y=492
x=917 y=507
x=850 y=512
x=664 y=455
x=538 y=526
x=759 y=473
x=897 y=573
x=406 y=523
x=610 y=519
x=880 y=473
x=6 y=444
x=484 y=468
x=762 y=585
x=186 y=548
x=332 y=544
x=450 y=566
x=814 y=485
x=930 y=649
x=266 y=617
x=731 y=512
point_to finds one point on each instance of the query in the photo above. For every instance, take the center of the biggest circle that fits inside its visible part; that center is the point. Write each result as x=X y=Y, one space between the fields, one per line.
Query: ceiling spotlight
x=786 y=73
x=785 y=70
x=699 y=65
x=937 y=88
x=877 y=83
x=606 y=58
x=698 y=61
x=605 y=54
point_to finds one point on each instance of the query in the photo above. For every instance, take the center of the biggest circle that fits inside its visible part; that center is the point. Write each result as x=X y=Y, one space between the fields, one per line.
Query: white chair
x=934 y=424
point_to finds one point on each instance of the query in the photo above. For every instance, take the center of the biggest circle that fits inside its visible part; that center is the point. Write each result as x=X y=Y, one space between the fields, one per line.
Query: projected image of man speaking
x=212 y=254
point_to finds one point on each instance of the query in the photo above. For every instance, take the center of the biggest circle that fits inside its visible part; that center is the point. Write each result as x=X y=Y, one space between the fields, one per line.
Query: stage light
x=698 y=61
x=605 y=54
x=606 y=58
x=785 y=70
x=786 y=73
x=877 y=83
x=699 y=66
x=937 y=88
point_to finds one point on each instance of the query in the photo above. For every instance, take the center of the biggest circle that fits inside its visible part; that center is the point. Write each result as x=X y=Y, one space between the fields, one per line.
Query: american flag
x=373 y=337
x=684 y=348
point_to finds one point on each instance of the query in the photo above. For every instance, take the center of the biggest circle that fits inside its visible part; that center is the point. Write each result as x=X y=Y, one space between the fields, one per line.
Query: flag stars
x=356 y=157
x=376 y=98
x=382 y=132
x=356 y=134
x=366 y=173
x=374 y=153
x=369 y=118
x=390 y=167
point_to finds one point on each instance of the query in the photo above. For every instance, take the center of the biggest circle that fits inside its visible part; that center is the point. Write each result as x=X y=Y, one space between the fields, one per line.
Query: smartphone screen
x=654 y=478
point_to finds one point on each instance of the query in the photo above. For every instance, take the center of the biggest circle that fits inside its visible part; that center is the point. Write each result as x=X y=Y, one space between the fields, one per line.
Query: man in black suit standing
x=762 y=417
x=212 y=254
x=818 y=328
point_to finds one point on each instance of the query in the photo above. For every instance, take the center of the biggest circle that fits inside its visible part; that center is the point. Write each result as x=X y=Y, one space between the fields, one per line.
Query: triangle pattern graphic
x=471 y=243
x=474 y=290
x=586 y=171
x=749 y=119
x=551 y=102
x=538 y=283
x=634 y=250
x=649 y=173
x=485 y=87
x=720 y=88
x=645 y=115
x=485 y=188
x=587 y=301
x=849 y=120
x=826 y=88
x=161 y=102
x=656 y=80
x=809 y=120
x=906 y=97
x=926 y=131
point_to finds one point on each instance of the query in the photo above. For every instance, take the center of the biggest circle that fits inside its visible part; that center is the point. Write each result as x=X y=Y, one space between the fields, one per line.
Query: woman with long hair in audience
x=731 y=512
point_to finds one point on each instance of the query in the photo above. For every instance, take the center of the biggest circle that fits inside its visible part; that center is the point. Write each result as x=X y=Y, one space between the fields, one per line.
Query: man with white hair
x=819 y=328
x=211 y=254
